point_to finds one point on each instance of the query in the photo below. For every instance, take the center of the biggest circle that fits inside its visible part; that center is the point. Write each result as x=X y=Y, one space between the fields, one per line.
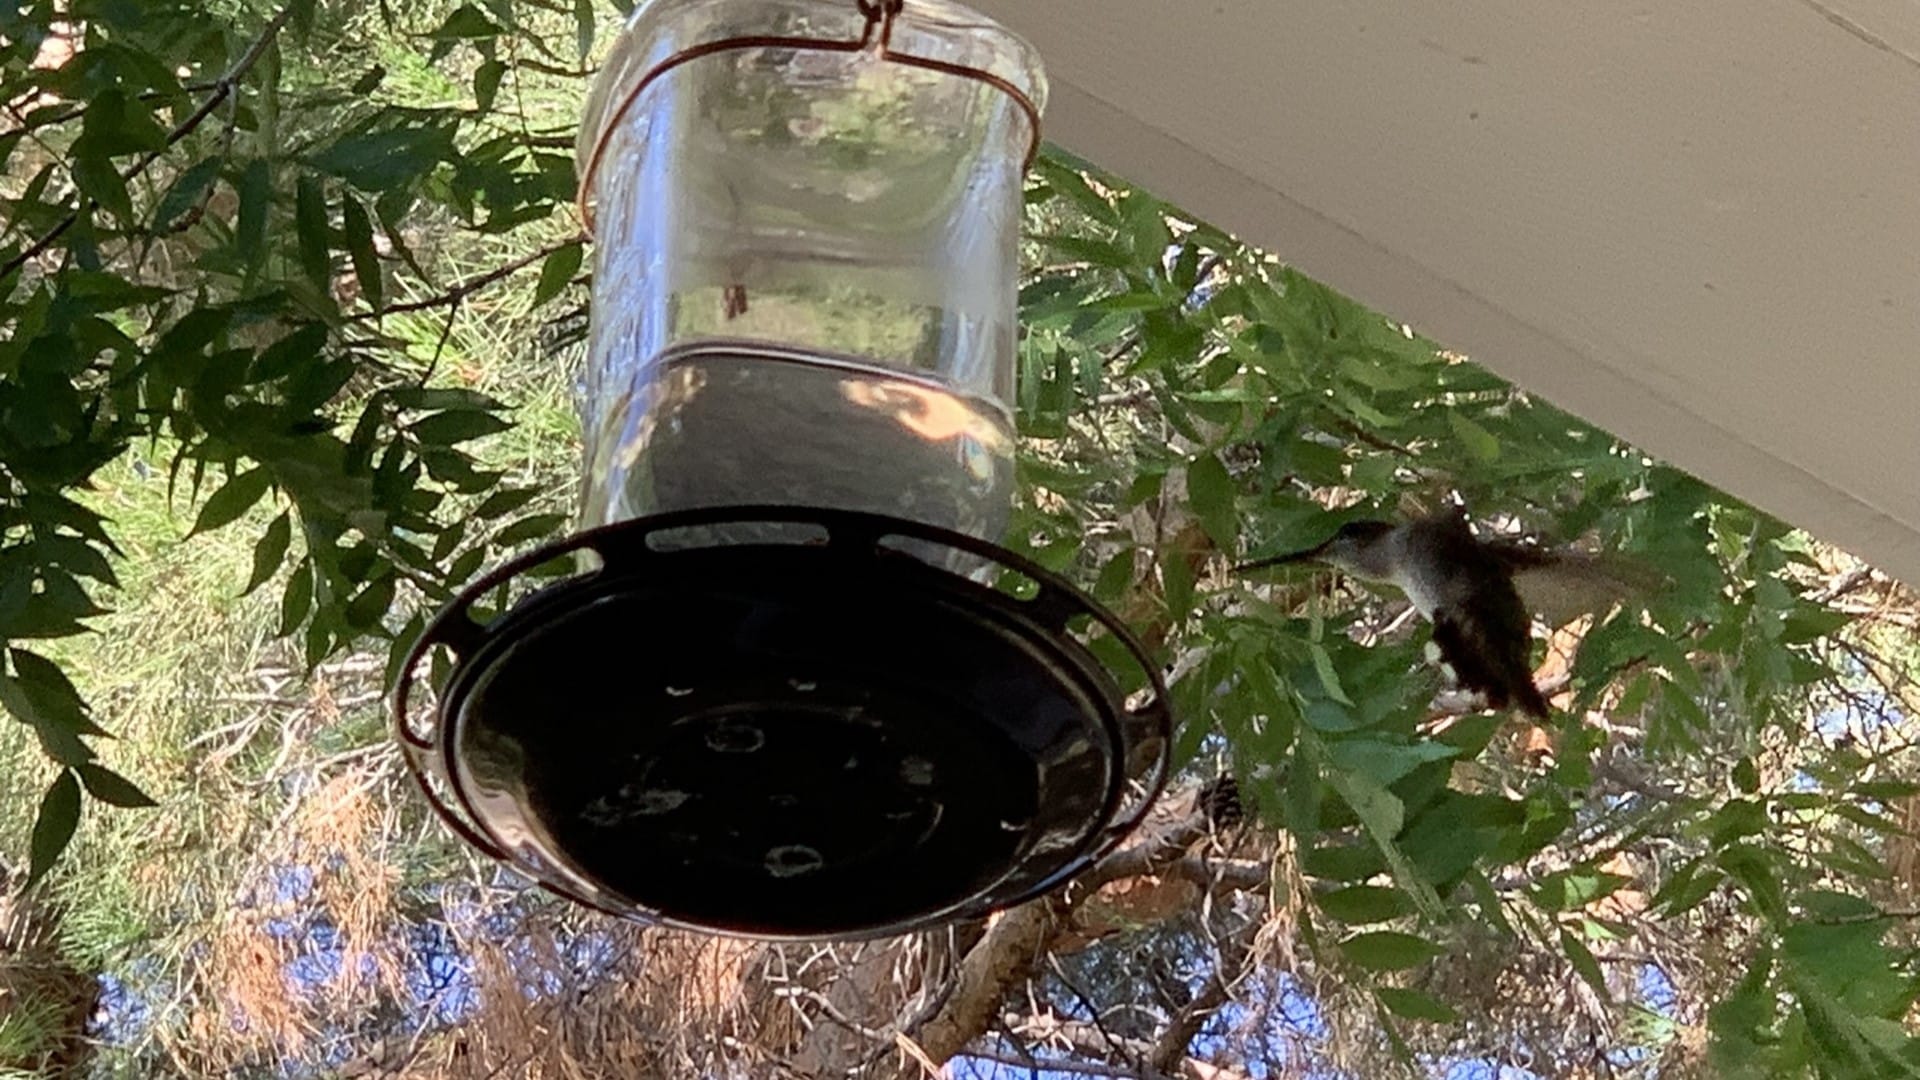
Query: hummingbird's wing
x=1561 y=586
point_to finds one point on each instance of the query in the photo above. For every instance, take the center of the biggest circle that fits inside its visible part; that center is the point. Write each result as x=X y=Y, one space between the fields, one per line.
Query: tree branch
x=1223 y=875
x=464 y=289
x=1016 y=940
x=1080 y=1037
x=1109 y=1042
x=222 y=89
x=1012 y=944
x=1843 y=585
x=1171 y=1048
x=1062 y=1065
x=1078 y=1068
x=1373 y=440
x=833 y=1012
x=1152 y=855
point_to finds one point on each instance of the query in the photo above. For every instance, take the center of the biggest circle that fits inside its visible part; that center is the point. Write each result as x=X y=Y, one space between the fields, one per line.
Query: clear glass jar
x=805 y=278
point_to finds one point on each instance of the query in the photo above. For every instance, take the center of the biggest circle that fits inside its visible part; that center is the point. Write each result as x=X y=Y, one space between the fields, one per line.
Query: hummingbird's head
x=1356 y=548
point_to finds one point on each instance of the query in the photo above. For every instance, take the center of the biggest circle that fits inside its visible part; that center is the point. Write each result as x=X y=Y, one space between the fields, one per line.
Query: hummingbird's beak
x=1308 y=555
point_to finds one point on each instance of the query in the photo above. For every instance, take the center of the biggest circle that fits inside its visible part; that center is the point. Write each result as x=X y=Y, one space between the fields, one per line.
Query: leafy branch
x=454 y=296
x=222 y=89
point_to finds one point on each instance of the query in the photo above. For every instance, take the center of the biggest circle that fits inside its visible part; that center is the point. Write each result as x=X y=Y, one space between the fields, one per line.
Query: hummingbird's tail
x=1528 y=697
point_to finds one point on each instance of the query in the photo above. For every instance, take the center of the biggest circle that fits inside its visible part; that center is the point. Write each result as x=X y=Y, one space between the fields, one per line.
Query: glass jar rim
x=611 y=101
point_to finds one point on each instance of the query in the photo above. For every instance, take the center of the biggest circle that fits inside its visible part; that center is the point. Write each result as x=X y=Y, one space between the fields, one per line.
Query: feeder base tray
x=813 y=733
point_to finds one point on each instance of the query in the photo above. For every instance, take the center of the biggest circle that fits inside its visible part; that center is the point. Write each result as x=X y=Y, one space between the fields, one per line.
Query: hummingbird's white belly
x=1419 y=590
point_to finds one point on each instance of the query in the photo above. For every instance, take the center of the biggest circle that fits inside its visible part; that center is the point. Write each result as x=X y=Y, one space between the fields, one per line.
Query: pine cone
x=1220 y=802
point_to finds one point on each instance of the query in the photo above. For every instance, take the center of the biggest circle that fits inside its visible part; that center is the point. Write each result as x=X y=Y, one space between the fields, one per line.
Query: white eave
x=1695 y=223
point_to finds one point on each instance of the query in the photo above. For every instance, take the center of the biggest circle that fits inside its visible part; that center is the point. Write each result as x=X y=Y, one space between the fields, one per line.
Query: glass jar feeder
x=787 y=693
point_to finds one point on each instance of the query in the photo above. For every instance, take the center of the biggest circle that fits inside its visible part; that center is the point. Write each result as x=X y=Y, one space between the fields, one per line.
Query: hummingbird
x=1480 y=595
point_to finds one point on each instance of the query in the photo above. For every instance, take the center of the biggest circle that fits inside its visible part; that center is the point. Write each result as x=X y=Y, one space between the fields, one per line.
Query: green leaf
x=1738 y=1020
x=1211 y=493
x=185 y=192
x=59 y=510
x=98 y=178
x=1147 y=233
x=112 y=788
x=256 y=192
x=358 y=228
x=556 y=272
x=1072 y=184
x=465 y=23
x=1360 y=904
x=77 y=556
x=320 y=640
x=1745 y=776
x=1865 y=818
x=234 y=498
x=1736 y=820
x=310 y=231
x=1383 y=814
x=1811 y=622
x=117 y=125
x=1177 y=582
x=366 y=610
x=1885 y=789
x=1380 y=810
x=1759 y=875
x=462 y=569
x=1490 y=908
x=1329 y=678
x=52 y=695
x=528 y=528
x=1416 y=1005
x=1683 y=706
x=291 y=353
x=486 y=84
x=453 y=427
x=1085 y=249
x=1686 y=889
x=1478 y=440
x=1384 y=762
x=1343 y=862
x=1137 y=300
x=1583 y=962
x=385 y=160
x=53 y=828
x=504 y=502
x=435 y=398
x=300 y=14
x=1566 y=890
x=270 y=552
x=60 y=743
x=53 y=610
x=1381 y=371
x=297 y=600
x=583 y=28
x=1389 y=950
